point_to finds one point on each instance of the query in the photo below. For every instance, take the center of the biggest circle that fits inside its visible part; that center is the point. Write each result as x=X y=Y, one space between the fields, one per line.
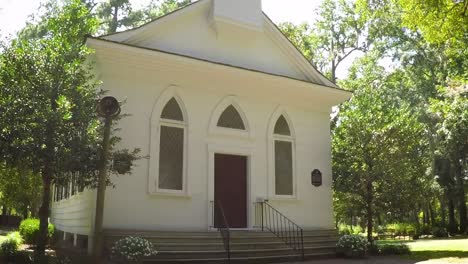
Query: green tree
x=19 y=190
x=376 y=142
x=158 y=8
x=48 y=107
x=117 y=14
x=440 y=21
x=339 y=32
x=335 y=35
x=303 y=38
x=428 y=40
x=48 y=102
x=452 y=129
x=114 y=14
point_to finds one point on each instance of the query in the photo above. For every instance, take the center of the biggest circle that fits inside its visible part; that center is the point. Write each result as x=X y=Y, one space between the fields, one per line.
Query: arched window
x=171 y=147
x=283 y=158
x=230 y=118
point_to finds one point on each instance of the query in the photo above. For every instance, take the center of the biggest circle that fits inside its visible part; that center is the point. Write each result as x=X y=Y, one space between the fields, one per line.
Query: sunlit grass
x=452 y=250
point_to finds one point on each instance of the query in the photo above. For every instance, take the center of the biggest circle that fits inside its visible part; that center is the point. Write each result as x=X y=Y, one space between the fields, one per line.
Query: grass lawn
x=452 y=250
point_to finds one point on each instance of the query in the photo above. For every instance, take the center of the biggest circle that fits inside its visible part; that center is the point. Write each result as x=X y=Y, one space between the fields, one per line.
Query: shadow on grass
x=436 y=254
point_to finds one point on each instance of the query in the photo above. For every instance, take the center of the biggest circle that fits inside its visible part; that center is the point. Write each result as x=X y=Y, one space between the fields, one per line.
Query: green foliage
x=123 y=161
x=439 y=232
x=378 y=142
x=389 y=249
x=425 y=230
x=439 y=21
x=158 y=8
x=302 y=37
x=401 y=229
x=16 y=236
x=344 y=229
x=336 y=34
x=29 y=230
x=119 y=14
x=20 y=189
x=352 y=246
x=133 y=249
x=48 y=95
x=9 y=247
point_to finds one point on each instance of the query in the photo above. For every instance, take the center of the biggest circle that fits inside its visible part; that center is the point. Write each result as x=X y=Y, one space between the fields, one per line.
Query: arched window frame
x=215 y=130
x=156 y=123
x=272 y=138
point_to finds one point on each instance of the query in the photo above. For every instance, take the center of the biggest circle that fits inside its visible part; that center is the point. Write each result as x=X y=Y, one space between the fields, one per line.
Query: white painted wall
x=193 y=33
x=130 y=205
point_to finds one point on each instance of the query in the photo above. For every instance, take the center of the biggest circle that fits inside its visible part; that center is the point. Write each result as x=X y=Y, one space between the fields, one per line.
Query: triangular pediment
x=191 y=31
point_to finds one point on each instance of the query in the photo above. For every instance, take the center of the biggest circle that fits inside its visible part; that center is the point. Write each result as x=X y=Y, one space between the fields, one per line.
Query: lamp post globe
x=108 y=107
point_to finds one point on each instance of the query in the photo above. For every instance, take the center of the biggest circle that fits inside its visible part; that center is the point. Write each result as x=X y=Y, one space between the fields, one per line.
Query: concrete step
x=246 y=246
x=236 y=260
x=240 y=253
x=237 y=245
x=242 y=234
x=234 y=240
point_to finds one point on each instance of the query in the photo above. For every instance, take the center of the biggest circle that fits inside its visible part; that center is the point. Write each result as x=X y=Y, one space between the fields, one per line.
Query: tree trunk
x=443 y=212
x=451 y=212
x=25 y=212
x=432 y=214
x=4 y=210
x=44 y=214
x=369 y=211
x=114 y=23
x=416 y=220
x=461 y=197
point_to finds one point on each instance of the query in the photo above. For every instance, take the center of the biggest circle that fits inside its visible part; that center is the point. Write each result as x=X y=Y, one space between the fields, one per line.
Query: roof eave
x=333 y=88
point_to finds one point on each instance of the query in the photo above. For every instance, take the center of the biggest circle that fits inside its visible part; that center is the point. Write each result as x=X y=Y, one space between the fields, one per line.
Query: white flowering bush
x=352 y=246
x=132 y=249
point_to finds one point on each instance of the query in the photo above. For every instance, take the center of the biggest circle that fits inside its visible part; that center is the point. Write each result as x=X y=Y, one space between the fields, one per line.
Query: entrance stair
x=245 y=246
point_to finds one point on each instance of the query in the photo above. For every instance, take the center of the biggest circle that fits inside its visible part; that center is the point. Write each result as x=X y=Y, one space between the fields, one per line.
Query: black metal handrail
x=223 y=229
x=278 y=224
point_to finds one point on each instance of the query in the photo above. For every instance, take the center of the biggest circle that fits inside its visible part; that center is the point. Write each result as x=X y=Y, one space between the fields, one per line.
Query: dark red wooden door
x=231 y=190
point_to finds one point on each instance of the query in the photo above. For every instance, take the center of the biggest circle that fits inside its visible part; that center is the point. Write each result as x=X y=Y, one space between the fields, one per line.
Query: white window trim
x=215 y=130
x=155 y=138
x=272 y=137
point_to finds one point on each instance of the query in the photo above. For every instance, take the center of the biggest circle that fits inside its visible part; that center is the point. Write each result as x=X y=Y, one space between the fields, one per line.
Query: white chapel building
x=228 y=112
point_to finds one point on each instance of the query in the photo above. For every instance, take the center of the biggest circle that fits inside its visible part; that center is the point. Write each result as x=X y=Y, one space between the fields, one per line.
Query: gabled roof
x=310 y=73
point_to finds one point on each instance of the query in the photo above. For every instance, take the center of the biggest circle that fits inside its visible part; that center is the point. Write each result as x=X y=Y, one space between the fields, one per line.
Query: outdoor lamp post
x=107 y=108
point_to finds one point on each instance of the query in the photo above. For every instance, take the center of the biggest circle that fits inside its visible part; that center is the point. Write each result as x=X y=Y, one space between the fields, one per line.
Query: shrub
x=344 y=229
x=352 y=246
x=16 y=237
x=439 y=232
x=11 y=244
x=390 y=249
x=425 y=229
x=380 y=229
x=29 y=230
x=132 y=249
x=402 y=229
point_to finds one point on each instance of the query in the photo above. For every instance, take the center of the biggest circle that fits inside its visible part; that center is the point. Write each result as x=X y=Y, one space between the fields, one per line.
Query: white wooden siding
x=75 y=214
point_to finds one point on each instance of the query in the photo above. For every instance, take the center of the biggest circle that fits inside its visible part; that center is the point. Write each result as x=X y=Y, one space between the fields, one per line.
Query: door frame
x=229 y=150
